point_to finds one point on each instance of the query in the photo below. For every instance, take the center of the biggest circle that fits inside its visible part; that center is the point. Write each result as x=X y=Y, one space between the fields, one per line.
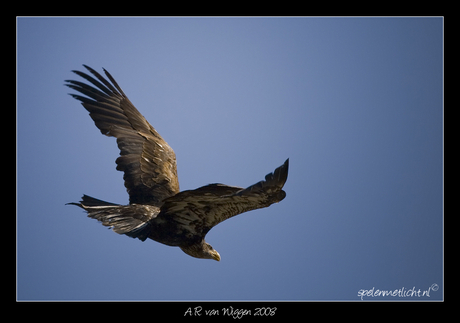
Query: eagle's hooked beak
x=215 y=255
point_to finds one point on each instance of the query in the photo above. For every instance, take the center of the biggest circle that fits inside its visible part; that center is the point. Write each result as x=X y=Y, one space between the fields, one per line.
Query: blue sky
x=355 y=103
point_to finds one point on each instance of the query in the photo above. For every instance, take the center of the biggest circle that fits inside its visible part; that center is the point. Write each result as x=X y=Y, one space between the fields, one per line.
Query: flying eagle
x=157 y=209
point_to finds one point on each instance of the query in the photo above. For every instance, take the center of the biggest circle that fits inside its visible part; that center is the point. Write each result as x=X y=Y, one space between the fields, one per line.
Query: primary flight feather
x=157 y=209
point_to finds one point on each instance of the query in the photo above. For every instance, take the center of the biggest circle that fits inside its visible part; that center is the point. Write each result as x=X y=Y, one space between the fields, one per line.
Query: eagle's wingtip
x=285 y=166
x=279 y=175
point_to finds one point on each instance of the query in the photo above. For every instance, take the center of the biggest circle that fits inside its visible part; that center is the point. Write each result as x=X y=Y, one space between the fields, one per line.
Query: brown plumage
x=157 y=209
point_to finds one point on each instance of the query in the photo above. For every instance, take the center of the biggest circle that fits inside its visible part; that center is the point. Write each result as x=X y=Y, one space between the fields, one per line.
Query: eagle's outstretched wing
x=197 y=211
x=148 y=163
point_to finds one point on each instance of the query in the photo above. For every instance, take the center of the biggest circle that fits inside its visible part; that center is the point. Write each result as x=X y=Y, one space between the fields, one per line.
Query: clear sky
x=355 y=103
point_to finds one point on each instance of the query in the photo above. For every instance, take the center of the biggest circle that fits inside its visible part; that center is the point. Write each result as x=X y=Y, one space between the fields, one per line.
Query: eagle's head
x=201 y=250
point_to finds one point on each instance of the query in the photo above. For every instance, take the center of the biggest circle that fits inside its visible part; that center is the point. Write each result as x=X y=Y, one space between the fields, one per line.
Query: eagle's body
x=157 y=209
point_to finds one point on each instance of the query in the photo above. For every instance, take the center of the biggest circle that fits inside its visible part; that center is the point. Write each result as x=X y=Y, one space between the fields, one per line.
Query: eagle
x=157 y=209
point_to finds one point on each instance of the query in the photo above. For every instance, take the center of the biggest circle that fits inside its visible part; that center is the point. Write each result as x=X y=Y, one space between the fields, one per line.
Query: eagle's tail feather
x=91 y=201
x=131 y=220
